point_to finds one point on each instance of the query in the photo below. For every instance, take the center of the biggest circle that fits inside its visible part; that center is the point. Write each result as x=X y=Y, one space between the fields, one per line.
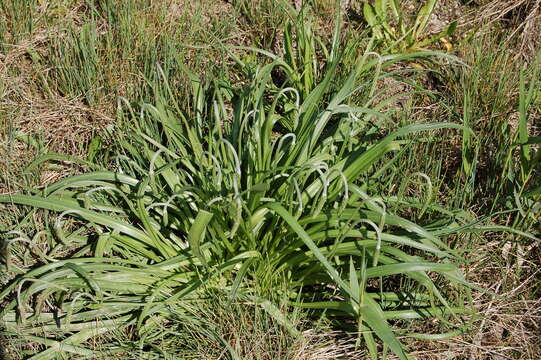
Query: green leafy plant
x=521 y=175
x=388 y=24
x=256 y=184
x=499 y=165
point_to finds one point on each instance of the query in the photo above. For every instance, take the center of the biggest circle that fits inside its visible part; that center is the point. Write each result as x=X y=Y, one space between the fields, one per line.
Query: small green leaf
x=197 y=234
x=93 y=148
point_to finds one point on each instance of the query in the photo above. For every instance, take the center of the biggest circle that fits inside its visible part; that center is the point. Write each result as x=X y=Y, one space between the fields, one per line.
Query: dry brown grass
x=522 y=17
x=30 y=103
x=60 y=124
x=253 y=335
x=506 y=326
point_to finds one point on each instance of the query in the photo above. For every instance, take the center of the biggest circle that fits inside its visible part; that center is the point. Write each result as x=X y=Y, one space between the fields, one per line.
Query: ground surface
x=61 y=76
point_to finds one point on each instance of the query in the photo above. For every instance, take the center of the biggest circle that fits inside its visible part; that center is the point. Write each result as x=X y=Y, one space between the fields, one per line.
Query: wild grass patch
x=311 y=185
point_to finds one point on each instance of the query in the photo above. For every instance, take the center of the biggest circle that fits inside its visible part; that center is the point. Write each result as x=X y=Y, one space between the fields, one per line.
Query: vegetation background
x=410 y=133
